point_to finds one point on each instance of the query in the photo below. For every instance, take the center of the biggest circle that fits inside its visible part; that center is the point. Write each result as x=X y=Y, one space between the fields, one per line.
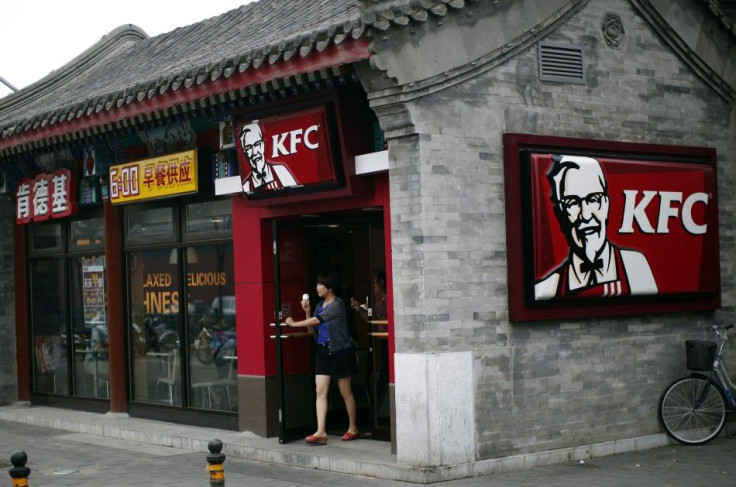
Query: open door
x=352 y=246
x=293 y=348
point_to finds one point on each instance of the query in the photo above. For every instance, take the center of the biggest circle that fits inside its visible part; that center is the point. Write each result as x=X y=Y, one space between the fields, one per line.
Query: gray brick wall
x=541 y=386
x=8 y=381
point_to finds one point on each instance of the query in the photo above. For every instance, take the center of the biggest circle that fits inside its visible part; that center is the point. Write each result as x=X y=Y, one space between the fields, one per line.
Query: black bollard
x=19 y=472
x=215 y=460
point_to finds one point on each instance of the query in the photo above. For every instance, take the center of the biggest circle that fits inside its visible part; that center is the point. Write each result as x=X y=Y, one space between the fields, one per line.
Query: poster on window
x=93 y=294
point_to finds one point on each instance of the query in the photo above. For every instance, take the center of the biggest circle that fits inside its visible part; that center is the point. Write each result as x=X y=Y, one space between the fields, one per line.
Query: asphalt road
x=61 y=458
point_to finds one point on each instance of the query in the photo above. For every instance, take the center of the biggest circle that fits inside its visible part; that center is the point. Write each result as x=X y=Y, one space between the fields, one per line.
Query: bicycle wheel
x=686 y=422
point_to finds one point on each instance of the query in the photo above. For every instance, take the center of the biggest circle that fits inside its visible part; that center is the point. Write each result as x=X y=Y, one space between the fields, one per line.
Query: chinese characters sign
x=286 y=151
x=45 y=196
x=610 y=228
x=162 y=176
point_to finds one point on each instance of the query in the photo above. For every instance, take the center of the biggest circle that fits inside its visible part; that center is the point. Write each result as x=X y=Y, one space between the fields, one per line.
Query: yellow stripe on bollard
x=217 y=472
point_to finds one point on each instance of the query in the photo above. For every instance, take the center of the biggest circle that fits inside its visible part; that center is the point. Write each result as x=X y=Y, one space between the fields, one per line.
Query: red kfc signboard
x=610 y=228
x=45 y=196
x=282 y=153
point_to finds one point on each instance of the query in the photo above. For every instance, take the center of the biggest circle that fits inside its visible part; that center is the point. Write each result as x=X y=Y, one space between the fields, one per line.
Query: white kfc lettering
x=687 y=213
x=277 y=142
x=634 y=211
x=295 y=138
x=311 y=145
x=666 y=211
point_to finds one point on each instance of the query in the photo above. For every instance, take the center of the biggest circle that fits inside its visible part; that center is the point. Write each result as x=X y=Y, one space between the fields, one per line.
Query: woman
x=335 y=356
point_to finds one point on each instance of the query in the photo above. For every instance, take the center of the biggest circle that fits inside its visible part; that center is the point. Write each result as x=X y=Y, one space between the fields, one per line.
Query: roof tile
x=127 y=66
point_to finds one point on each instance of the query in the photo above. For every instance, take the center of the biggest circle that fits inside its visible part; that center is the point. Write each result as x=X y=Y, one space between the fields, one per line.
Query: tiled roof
x=127 y=67
x=725 y=10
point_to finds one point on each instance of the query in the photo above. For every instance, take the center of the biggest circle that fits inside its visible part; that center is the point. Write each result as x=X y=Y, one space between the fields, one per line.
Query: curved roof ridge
x=109 y=45
x=253 y=36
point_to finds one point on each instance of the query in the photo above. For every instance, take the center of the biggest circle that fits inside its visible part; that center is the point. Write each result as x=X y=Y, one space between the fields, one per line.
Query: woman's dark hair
x=381 y=279
x=329 y=280
x=381 y=276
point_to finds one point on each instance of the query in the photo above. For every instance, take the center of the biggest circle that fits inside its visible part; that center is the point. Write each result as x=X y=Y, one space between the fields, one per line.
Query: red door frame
x=254 y=279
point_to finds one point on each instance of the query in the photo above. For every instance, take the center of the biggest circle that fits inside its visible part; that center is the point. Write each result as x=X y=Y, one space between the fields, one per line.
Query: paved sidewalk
x=85 y=449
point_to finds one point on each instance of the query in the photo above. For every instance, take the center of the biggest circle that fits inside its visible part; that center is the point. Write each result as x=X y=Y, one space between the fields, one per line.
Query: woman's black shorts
x=337 y=365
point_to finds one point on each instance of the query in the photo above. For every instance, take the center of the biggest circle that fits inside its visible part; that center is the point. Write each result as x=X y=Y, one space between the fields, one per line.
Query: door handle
x=291 y=335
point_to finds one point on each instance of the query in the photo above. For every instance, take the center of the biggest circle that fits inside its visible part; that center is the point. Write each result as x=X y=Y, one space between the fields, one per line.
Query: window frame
x=63 y=254
x=183 y=241
x=48 y=251
x=188 y=236
x=134 y=242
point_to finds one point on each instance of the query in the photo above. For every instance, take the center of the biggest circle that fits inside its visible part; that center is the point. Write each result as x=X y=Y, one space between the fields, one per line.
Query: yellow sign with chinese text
x=158 y=177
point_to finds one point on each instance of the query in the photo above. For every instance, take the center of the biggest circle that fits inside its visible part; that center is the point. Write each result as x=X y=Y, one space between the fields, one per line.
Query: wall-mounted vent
x=561 y=62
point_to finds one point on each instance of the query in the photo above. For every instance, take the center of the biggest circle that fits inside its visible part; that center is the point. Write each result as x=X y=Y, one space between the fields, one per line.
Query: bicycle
x=693 y=409
x=214 y=343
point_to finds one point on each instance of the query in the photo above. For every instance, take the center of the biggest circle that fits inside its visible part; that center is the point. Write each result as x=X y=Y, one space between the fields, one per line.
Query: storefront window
x=49 y=330
x=182 y=308
x=211 y=318
x=68 y=307
x=209 y=217
x=150 y=224
x=89 y=323
x=155 y=324
x=46 y=236
x=87 y=234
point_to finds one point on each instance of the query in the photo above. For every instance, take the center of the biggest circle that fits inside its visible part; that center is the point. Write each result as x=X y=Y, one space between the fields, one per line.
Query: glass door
x=293 y=346
x=351 y=246
x=49 y=313
x=154 y=296
x=68 y=307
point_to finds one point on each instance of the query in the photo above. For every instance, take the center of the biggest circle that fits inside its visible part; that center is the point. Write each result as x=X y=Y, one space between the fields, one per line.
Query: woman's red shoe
x=316 y=440
x=350 y=436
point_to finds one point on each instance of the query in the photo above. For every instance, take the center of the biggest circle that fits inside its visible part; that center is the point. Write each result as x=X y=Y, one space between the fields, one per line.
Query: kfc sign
x=605 y=231
x=287 y=143
x=288 y=151
x=45 y=196
x=668 y=208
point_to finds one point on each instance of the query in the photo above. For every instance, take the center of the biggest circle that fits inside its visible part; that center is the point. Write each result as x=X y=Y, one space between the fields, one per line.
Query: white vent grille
x=561 y=63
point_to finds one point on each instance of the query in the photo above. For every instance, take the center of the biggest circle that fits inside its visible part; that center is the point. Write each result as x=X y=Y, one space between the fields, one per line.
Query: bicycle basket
x=700 y=355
